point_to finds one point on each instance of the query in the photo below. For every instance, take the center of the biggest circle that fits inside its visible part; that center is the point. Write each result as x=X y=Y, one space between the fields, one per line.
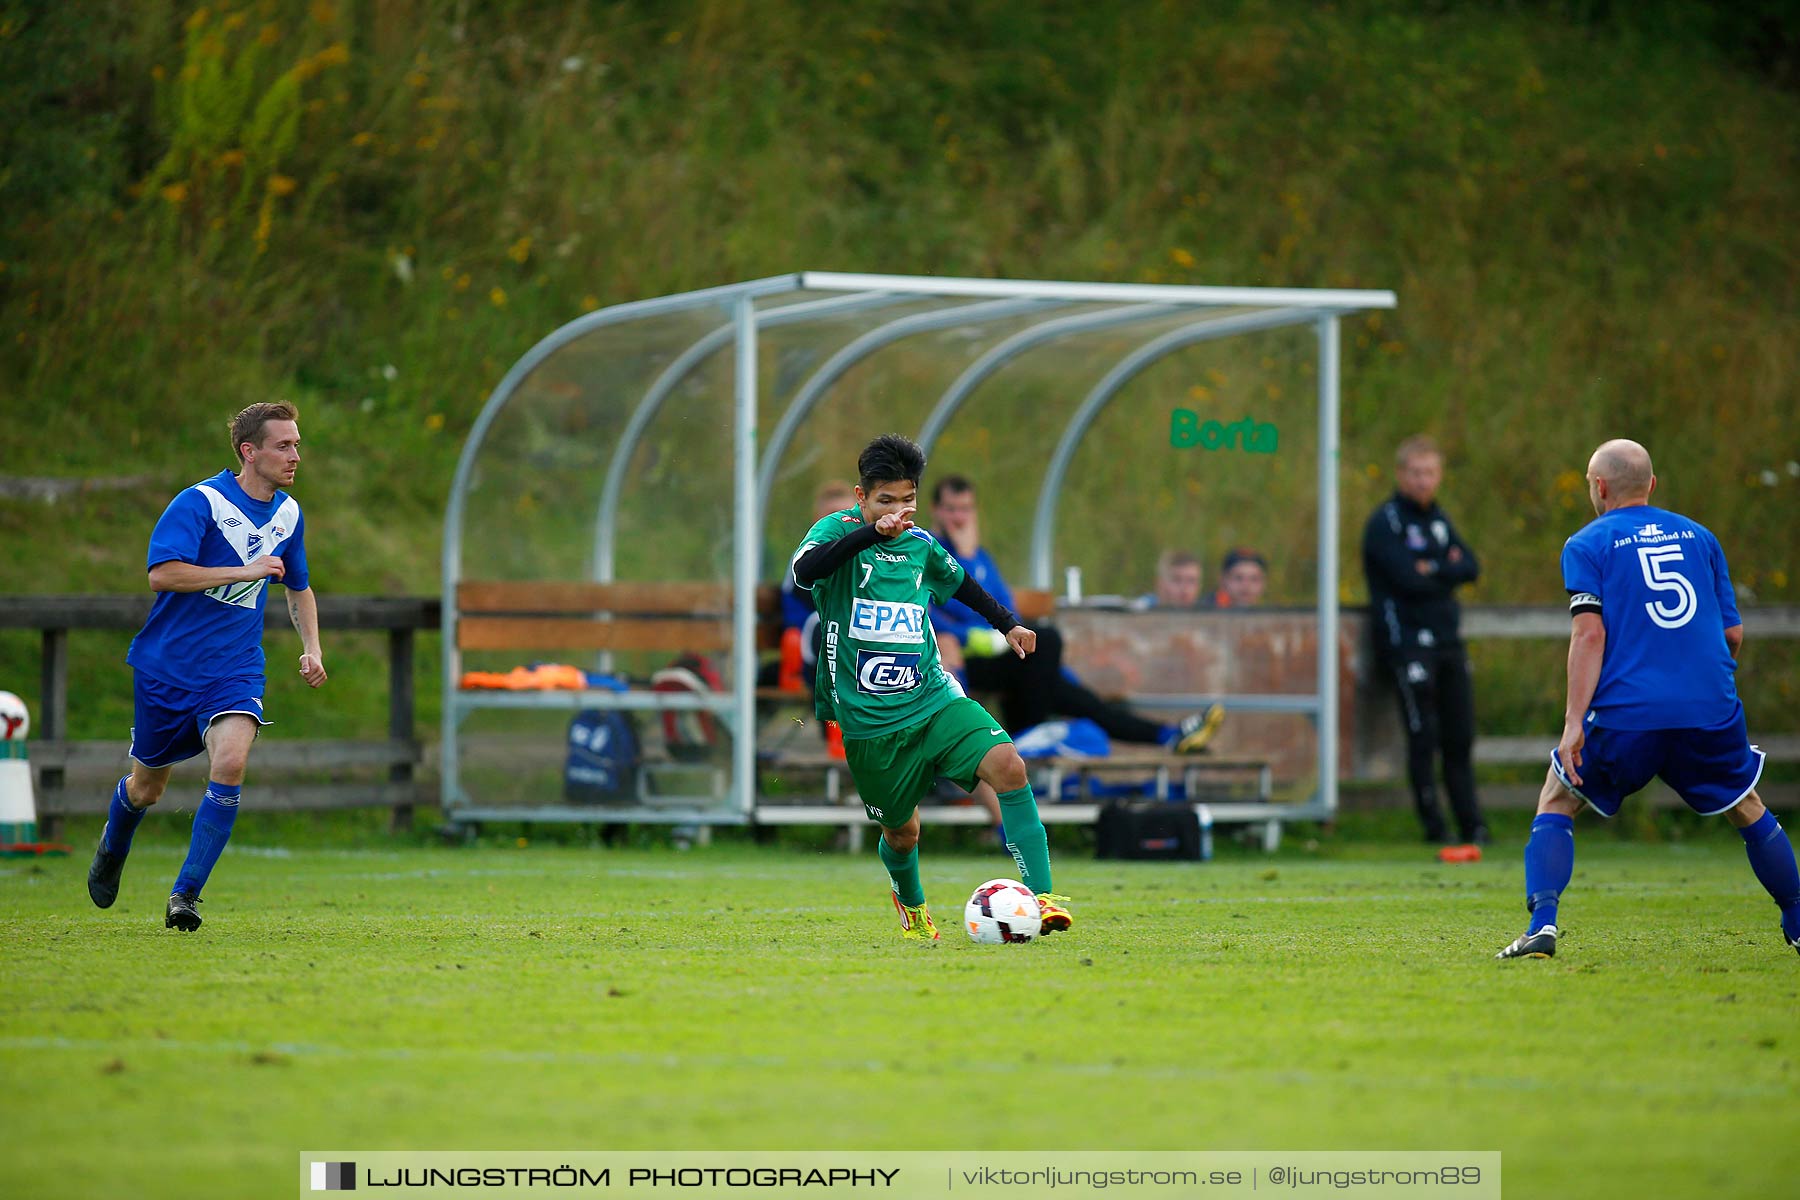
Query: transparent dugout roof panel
x=608 y=453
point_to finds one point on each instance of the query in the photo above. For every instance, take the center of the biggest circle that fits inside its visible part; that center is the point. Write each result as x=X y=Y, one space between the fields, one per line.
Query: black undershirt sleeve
x=990 y=610
x=822 y=560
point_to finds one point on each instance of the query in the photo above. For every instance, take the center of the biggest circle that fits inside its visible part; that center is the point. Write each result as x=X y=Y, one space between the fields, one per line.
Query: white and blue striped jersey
x=1662 y=589
x=192 y=639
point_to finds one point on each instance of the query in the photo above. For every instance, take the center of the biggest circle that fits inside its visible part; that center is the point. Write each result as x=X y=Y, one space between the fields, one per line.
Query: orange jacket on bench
x=543 y=677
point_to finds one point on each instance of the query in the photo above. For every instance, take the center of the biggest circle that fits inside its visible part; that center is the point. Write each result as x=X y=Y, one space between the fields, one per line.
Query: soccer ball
x=1000 y=912
x=15 y=721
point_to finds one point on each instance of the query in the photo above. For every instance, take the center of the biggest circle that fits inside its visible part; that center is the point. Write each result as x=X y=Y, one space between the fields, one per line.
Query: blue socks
x=1549 y=865
x=122 y=821
x=1772 y=858
x=1550 y=862
x=1167 y=735
x=212 y=829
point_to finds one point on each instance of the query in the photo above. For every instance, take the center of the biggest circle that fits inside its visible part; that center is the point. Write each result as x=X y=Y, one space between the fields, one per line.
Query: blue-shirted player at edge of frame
x=873 y=575
x=198 y=661
x=1651 y=659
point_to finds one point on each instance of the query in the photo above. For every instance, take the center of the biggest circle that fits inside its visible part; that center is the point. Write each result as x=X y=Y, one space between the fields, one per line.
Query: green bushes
x=372 y=208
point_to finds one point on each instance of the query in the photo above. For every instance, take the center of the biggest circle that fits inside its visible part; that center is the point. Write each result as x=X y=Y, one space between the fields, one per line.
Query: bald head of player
x=1619 y=474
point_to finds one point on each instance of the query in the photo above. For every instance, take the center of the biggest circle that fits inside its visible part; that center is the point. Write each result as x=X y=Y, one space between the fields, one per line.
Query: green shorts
x=894 y=771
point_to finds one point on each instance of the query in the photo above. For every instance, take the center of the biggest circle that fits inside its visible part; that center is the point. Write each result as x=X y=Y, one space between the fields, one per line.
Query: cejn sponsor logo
x=884 y=673
x=882 y=621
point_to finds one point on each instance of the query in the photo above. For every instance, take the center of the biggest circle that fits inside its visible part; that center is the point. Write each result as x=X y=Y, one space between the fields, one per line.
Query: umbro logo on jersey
x=231 y=522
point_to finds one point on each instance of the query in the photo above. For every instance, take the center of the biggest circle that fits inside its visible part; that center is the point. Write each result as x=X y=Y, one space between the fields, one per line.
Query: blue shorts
x=169 y=723
x=1710 y=769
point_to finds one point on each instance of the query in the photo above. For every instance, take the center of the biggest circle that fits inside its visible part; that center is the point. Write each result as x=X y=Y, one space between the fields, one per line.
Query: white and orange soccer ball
x=1001 y=912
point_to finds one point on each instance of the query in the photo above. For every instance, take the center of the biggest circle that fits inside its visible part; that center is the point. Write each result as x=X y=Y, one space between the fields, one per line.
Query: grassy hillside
x=372 y=209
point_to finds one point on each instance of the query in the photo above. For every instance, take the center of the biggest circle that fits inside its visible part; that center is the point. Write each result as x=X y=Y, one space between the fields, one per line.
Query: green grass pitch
x=562 y=998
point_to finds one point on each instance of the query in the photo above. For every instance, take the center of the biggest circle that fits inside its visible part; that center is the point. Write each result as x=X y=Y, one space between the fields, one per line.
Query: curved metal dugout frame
x=1004 y=352
x=606 y=517
x=753 y=479
x=456 y=705
x=807 y=397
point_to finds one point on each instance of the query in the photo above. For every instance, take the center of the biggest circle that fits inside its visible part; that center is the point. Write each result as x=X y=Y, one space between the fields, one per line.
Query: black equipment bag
x=1147 y=829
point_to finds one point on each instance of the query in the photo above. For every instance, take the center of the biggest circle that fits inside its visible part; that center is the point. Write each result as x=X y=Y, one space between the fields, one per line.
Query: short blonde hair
x=835 y=490
x=1170 y=559
x=247 y=426
x=1417 y=446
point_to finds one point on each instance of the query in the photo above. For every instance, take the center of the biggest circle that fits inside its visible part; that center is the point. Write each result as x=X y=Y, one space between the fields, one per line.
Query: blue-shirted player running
x=199 y=658
x=1651 y=660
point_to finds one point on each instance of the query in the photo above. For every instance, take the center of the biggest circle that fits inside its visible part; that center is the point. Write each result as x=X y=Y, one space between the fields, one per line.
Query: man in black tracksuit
x=1414 y=561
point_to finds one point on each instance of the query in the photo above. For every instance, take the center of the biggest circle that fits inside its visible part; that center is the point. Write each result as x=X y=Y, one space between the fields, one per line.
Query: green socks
x=905 y=870
x=1025 y=838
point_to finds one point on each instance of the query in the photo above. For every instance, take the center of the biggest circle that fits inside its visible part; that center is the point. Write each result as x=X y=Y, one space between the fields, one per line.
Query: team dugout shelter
x=635 y=484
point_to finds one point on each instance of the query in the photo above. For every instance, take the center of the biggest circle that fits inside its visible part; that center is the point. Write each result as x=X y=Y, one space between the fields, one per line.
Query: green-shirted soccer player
x=872 y=576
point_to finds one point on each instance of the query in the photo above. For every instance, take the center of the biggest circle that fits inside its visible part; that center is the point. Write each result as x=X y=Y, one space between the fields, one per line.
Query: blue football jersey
x=1664 y=594
x=194 y=638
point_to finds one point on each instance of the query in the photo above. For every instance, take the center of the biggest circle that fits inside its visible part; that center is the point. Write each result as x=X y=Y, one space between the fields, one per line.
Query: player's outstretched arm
x=177 y=576
x=822 y=559
x=1022 y=640
x=303 y=610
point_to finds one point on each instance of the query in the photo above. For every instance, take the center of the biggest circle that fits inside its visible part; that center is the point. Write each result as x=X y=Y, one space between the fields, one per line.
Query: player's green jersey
x=878 y=667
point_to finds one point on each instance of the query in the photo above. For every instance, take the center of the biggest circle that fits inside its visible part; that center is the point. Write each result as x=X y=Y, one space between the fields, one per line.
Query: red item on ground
x=790 y=679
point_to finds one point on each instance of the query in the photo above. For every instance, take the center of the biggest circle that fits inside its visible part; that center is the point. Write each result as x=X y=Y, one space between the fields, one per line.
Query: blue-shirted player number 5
x=1660 y=575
